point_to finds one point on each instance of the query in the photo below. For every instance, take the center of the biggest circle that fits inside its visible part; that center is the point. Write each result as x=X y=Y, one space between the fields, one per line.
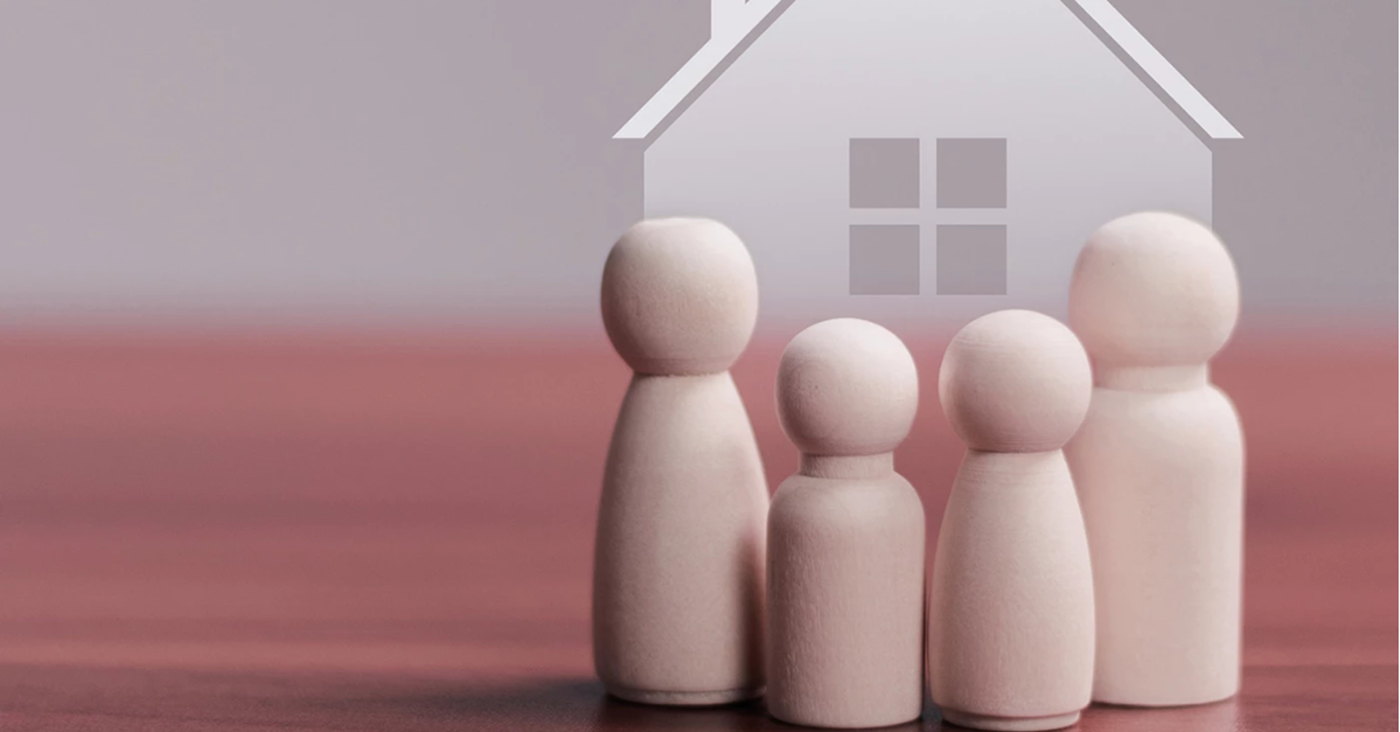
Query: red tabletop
x=375 y=532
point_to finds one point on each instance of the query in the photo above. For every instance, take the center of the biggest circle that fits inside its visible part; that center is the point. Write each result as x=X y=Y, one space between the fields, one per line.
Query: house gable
x=744 y=28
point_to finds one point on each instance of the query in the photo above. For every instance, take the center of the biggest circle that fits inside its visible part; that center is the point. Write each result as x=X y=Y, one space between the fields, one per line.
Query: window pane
x=885 y=173
x=971 y=173
x=884 y=259
x=972 y=260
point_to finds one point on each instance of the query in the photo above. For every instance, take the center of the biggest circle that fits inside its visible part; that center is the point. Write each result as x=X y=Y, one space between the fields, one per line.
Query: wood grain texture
x=249 y=533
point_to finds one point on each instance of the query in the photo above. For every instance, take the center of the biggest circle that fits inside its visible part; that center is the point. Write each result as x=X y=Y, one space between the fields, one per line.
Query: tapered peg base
x=1009 y=724
x=684 y=698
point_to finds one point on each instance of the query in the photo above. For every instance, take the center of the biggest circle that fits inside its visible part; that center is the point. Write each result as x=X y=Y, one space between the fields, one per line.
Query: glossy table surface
x=374 y=532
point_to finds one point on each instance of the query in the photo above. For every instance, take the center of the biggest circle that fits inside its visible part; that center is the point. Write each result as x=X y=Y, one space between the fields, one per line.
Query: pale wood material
x=846 y=387
x=846 y=535
x=679 y=296
x=1011 y=605
x=1159 y=463
x=1014 y=381
x=679 y=556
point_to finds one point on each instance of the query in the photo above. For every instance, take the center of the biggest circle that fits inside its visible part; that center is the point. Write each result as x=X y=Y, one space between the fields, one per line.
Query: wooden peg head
x=847 y=387
x=679 y=297
x=1015 y=381
x=1153 y=289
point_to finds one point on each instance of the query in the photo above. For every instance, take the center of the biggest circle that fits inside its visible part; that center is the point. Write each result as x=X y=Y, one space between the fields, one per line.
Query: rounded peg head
x=1154 y=289
x=1015 y=381
x=680 y=297
x=847 y=387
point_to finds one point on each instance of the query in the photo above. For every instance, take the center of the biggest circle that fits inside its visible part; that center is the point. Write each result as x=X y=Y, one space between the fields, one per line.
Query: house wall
x=765 y=148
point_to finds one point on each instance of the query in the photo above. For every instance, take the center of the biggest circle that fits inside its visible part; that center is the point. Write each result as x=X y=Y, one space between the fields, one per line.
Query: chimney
x=727 y=17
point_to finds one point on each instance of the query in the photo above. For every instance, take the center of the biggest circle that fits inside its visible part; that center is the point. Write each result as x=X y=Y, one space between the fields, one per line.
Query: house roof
x=721 y=50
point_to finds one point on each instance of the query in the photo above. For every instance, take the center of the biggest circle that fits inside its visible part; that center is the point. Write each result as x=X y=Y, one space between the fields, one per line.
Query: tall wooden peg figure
x=1011 y=604
x=679 y=563
x=1160 y=461
x=846 y=535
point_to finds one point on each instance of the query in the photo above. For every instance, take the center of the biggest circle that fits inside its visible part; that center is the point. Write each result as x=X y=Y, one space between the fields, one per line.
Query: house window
x=971 y=259
x=884 y=259
x=884 y=173
x=970 y=175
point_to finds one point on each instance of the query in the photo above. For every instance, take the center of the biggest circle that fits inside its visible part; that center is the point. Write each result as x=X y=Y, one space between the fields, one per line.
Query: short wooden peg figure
x=846 y=535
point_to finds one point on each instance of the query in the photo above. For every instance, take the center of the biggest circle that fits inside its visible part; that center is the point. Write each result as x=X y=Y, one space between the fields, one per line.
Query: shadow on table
x=577 y=704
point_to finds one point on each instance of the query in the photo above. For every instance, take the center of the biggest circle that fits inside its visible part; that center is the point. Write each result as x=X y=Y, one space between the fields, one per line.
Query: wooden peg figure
x=1160 y=461
x=846 y=535
x=1011 y=603
x=679 y=562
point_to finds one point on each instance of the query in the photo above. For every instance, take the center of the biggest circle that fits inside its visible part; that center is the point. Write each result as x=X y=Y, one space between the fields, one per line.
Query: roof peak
x=736 y=24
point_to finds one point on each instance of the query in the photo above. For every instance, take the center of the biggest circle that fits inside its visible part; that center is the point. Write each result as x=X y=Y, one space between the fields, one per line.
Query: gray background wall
x=342 y=161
